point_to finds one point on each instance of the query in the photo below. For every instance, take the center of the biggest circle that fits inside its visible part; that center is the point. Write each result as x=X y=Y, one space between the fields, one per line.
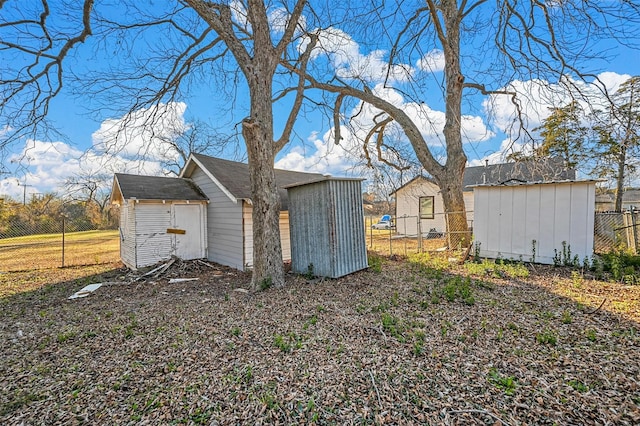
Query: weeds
x=375 y=262
x=547 y=337
x=578 y=386
x=506 y=383
x=266 y=283
x=287 y=343
x=498 y=269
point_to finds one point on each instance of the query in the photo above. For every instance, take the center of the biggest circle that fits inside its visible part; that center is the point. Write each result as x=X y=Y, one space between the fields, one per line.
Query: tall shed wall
x=555 y=218
x=327 y=228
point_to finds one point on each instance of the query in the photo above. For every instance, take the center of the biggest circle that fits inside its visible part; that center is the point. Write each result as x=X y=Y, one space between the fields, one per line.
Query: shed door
x=188 y=218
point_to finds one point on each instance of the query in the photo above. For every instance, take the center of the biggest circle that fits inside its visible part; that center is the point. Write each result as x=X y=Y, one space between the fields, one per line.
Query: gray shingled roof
x=547 y=170
x=234 y=176
x=157 y=188
x=552 y=169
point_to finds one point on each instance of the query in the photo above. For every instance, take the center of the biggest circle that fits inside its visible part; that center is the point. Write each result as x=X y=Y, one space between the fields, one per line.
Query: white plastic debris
x=84 y=292
x=181 y=280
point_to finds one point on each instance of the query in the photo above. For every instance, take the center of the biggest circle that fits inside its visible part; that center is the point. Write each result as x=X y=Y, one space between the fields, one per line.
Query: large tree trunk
x=458 y=234
x=450 y=177
x=267 y=250
x=257 y=130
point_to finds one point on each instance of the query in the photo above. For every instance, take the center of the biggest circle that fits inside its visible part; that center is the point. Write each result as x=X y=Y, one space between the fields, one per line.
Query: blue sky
x=44 y=162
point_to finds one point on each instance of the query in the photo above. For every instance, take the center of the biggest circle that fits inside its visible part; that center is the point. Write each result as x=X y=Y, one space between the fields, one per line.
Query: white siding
x=510 y=218
x=127 y=234
x=153 y=244
x=408 y=208
x=408 y=205
x=224 y=224
x=285 y=239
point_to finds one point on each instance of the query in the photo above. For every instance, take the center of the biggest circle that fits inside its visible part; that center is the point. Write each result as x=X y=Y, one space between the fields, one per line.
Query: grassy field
x=45 y=251
x=388 y=242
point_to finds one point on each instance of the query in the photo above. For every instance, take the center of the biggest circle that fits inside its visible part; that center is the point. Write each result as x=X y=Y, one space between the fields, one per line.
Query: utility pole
x=24 y=192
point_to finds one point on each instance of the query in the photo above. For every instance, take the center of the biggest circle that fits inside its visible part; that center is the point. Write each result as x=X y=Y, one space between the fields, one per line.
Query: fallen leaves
x=378 y=348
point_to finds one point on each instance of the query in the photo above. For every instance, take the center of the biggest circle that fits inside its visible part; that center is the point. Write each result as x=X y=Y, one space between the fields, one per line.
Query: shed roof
x=538 y=183
x=155 y=188
x=234 y=177
x=550 y=169
x=545 y=170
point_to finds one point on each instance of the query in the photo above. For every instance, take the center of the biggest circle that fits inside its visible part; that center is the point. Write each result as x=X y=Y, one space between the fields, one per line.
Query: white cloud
x=432 y=61
x=538 y=97
x=239 y=14
x=278 y=19
x=507 y=147
x=430 y=122
x=135 y=143
x=345 y=56
x=143 y=133
x=322 y=156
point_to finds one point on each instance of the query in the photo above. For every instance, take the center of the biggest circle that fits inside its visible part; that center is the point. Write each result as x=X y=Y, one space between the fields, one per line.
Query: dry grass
x=417 y=343
x=45 y=251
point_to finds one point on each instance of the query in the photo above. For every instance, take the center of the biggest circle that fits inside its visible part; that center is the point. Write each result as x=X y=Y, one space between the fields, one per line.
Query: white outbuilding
x=204 y=213
x=545 y=222
x=160 y=217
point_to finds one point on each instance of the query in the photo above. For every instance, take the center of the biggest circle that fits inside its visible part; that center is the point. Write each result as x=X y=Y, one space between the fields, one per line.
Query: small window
x=426 y=207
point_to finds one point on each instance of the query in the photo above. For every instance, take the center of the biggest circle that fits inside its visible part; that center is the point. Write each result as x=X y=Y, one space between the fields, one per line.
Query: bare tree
x=245 y=40
x=510 y=39
x=618 y=137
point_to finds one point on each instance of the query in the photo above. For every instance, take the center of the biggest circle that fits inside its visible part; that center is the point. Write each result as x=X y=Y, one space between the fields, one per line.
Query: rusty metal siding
x=327 y=228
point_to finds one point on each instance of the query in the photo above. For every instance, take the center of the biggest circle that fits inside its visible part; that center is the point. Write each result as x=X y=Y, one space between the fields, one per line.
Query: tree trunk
x=450 y=178
x=458 y=234
x=268 y=267
x=257 y=130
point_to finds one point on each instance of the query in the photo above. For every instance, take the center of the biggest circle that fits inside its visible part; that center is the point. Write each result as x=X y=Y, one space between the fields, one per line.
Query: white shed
x=556 y=218
x=160 y=217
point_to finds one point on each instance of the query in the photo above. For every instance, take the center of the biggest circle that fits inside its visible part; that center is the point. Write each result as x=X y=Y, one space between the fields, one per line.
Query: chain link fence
x=617 y=231
x=32 y=239
x=412 y=234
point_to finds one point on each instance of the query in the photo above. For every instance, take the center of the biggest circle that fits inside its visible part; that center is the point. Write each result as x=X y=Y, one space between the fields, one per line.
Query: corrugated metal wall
x=327 y=228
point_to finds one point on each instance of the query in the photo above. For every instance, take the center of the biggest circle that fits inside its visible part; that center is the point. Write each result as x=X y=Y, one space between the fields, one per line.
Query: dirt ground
x=410 y=344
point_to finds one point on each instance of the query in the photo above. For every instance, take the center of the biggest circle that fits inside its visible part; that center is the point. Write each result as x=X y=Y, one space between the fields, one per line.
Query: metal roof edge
x=322 y=179
x=550 y=182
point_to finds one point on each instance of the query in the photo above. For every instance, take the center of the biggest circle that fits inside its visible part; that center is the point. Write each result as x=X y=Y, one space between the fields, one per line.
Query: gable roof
x=551 y=169
x=138 y=187
x=233 y=177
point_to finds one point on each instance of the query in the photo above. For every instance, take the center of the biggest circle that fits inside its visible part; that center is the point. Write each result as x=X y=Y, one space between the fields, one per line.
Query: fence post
x=634 y=232
x=371 y=231
x=419 y=229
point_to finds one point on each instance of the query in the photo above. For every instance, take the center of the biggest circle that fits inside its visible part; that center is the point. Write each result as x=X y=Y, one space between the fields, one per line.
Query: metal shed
x=541 y=222
x=326 y=224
